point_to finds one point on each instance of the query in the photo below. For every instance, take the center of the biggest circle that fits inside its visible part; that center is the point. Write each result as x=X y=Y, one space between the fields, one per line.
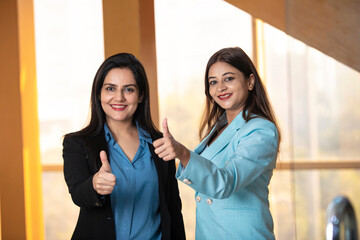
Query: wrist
x=185 y=157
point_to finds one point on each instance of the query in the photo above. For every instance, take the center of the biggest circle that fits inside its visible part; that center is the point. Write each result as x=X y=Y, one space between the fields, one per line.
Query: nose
x=221 y=86
x=120 y=96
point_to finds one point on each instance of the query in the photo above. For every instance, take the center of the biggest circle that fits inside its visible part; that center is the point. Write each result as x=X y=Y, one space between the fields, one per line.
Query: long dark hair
x=257 y=104
x=142 y=114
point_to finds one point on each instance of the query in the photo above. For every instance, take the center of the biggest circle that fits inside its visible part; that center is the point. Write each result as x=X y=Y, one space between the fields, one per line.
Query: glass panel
x=314 y=190
x=315 y=98
x=277 y=84
x=282 y=204
x=186 y=37
x=69 y=49
x=187 y=33
x=60 y=212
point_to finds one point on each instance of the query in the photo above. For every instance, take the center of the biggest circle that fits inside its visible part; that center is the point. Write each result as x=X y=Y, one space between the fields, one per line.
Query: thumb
x=165 y=128
x=105 y=162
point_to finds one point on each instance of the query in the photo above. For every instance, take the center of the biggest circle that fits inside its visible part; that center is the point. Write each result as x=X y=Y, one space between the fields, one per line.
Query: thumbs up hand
x=105 y=162
x=104 y=180
x=166 y=131
x=168 y=148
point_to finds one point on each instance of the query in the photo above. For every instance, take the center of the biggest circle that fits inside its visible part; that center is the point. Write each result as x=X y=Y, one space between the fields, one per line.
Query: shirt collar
x=143 y=135
x=108 y=135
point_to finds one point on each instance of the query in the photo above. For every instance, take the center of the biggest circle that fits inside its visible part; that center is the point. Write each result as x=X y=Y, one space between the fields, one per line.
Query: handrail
x=340 y=211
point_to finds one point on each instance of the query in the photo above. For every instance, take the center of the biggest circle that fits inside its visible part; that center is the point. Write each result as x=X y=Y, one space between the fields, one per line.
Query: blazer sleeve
x=177 y=223
x=254 y=153
x=78 y=174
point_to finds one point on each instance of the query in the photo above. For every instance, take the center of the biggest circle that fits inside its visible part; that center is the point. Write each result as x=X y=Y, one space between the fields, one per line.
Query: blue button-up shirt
x=135 y=198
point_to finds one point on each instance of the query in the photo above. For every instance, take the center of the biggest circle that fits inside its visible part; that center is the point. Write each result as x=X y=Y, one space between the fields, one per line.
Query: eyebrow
x=228 y=73
x=130 y=85
x=222 y=75
x=110 y=84
x=127 y=85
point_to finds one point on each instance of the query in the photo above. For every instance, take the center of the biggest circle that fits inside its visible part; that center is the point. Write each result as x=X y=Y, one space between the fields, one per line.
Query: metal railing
x=341 y=220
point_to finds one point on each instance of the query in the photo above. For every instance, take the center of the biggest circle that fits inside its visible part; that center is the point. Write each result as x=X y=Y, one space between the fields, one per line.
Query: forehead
x=221 y=68
x=120 y=76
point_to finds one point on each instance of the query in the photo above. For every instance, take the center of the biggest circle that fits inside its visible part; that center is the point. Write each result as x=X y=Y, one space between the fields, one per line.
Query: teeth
x=118 y=106
x=224 y=96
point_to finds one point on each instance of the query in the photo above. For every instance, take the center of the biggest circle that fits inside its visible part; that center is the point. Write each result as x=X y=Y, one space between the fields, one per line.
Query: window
x=187 y=34
x=315 y=99
x=69 y=49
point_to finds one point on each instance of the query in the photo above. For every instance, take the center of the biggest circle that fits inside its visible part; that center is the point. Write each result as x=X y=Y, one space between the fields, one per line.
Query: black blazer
x=82 y=161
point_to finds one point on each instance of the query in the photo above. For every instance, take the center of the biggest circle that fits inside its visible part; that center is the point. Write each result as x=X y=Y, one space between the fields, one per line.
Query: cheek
x=133 y=99
x=104 y=98
x=212 y=92
x=103 y=104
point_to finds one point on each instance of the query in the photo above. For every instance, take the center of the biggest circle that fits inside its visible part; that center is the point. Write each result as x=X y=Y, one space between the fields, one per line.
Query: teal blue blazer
x=231 y=178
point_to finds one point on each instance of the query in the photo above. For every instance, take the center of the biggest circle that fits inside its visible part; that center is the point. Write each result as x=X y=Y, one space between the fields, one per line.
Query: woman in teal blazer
x=231 y=168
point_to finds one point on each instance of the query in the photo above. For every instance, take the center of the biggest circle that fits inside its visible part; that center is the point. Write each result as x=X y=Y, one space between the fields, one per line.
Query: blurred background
x=307 y=53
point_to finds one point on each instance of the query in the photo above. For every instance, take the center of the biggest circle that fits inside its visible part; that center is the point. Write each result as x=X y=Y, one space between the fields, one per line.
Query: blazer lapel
x=159 y=164
x=204 y=142
x=223 y=140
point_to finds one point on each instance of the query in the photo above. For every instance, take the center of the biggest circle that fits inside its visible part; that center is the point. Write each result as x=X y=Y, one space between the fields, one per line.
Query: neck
x=230 y=115
x=118 y=129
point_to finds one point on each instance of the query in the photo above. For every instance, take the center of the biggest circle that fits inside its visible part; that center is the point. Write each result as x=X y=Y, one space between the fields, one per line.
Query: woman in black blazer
x=120 y=119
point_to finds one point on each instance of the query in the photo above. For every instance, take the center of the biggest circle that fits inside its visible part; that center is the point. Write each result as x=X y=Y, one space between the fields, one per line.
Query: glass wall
x=316 y=101
x=314 y=96
x=187 y=33
x=69 y=49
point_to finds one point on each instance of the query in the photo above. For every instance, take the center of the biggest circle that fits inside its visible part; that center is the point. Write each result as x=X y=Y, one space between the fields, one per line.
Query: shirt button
x=209 y=201
x=97 y=204
x=187 y=181
x=198 y=198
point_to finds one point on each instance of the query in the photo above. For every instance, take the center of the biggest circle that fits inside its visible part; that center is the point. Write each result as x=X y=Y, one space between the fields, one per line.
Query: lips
x=118 y=107
x=224 y=96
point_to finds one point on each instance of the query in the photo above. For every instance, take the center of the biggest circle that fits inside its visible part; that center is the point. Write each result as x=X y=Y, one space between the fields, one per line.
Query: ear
x=251 y=82
x=141 y=98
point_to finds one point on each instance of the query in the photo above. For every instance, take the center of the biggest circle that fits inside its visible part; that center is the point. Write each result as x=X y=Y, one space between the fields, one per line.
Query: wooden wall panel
x=20 y=175
x=330 y=26
x=129 y=26
x=11 y=170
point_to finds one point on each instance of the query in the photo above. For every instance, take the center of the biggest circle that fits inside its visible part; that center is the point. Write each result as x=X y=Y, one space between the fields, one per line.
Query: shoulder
x=84 y=142
x=74 y=145
x=259 y=127
x=259 y=123
x=257 y=139
x=70 y=139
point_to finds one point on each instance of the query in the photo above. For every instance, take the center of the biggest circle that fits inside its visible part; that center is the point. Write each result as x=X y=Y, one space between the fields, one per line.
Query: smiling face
x=119 y=96
x=228 y=87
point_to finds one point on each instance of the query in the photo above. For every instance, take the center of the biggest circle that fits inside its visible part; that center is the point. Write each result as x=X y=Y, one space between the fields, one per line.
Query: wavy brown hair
x=257 y=104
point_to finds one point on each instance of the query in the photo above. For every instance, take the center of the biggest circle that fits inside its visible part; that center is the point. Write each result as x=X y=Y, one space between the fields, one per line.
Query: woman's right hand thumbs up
x=104 y=180
x=168 y=148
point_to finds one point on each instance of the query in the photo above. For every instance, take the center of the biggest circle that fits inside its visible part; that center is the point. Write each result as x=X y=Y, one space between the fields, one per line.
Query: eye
x=229 y=79
x=212 y=82
x=129 y=89
x=110 y=89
